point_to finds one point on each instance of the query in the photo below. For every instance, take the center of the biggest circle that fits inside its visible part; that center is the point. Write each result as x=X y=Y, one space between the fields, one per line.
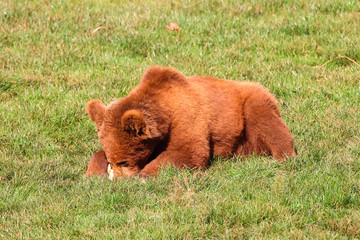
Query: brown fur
x=185 y=121
x=97 y=165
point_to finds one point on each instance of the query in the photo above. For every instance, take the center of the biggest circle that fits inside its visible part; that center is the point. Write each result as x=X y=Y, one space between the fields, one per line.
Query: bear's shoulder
x=161 y=76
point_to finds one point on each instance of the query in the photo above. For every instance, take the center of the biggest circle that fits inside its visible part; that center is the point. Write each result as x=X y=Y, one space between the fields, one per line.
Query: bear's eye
x=122 y=164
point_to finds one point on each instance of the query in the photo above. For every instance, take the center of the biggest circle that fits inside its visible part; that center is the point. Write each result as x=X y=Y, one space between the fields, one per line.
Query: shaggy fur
x=185 y=121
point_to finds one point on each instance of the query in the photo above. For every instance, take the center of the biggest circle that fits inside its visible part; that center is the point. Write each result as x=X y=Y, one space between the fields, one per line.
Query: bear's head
x=126 y=135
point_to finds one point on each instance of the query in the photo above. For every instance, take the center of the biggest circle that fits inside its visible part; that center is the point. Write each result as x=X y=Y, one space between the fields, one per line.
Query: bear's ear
x=133 y=122
x=96 y=111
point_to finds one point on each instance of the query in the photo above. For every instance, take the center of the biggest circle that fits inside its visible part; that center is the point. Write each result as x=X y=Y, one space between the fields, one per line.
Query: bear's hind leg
x=251 y=144
x=265 y=131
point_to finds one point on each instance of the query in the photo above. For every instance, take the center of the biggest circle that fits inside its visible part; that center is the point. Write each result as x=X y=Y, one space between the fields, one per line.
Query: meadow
x=57 y=55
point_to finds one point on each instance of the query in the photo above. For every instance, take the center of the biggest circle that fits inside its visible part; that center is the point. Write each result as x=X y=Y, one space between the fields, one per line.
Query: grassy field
x=54 y=58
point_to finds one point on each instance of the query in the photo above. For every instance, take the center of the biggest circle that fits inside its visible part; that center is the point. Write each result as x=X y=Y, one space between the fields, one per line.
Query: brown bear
x=170 y=119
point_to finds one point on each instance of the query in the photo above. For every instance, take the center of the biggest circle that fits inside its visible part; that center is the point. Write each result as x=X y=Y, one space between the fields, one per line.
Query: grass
x=52 y=62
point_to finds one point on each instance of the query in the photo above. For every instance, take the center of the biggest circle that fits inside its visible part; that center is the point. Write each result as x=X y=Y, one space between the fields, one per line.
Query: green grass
x=51 y=64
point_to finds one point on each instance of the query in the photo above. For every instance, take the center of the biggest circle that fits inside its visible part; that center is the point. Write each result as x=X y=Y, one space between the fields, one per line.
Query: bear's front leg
x=178 y=159
x=98 y=165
